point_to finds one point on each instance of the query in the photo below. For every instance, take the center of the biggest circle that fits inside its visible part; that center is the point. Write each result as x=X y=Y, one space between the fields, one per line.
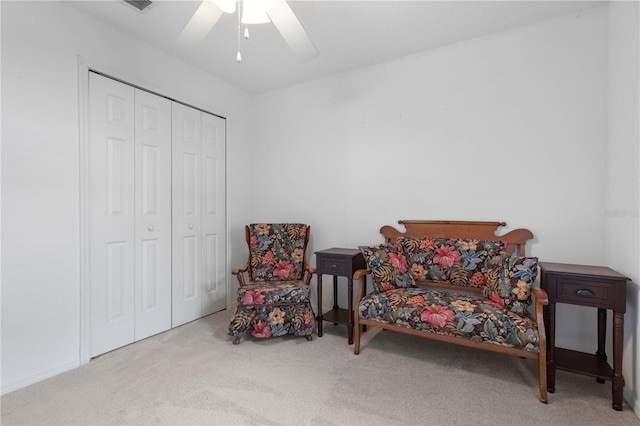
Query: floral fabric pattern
x=277 y=251
x=276 y=300
x=513 y=287
x=470 y=317
x=264 y=321
x=388 y=265
x=462 y=262
x=266 y=293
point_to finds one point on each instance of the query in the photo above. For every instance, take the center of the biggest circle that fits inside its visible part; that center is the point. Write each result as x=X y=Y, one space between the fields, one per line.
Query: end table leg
x=319 y=317
x=335 y=295
x=602 y=337
x=617 y=381
x=551 y=342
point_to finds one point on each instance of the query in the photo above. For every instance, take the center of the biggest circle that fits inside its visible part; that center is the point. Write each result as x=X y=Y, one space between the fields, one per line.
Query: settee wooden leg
x=236 y=340
x=543 y=394
x=309 y=337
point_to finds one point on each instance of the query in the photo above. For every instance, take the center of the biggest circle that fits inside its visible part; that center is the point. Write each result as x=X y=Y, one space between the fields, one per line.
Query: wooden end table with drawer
x=596 y=286
x=341 y=262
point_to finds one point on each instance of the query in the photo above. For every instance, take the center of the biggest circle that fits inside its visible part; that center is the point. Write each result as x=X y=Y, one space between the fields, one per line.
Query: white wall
x=40 y=169
x=498 y=128
x=622 y=217
x=508 y=127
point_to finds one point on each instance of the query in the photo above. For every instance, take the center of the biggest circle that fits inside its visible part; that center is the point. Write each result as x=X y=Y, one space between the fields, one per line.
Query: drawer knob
x=333 y=266
x=584 y=292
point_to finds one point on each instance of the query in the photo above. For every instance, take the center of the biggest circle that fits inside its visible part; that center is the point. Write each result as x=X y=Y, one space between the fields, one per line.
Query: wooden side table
x=338 y=262
x=596 y=286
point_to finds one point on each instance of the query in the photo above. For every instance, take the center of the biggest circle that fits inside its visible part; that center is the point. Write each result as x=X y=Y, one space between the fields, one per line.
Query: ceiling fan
x=253 y=11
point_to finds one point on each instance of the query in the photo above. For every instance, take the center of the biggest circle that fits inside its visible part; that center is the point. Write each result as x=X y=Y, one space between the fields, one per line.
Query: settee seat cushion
x=451 y=314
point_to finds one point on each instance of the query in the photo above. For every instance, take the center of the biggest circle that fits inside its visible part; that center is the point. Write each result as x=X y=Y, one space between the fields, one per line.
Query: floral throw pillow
x=388 y=265
x=512 y=289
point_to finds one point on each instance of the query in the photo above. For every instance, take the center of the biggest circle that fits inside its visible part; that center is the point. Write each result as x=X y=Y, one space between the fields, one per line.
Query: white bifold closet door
x=129 y=214
x=199 y=237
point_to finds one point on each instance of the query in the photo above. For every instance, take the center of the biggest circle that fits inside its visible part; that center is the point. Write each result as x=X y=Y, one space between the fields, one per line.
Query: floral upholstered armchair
x=275 y=299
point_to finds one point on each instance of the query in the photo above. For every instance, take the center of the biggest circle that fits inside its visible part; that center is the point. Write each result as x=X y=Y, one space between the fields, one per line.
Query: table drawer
x=584 y=292
x=334 y=266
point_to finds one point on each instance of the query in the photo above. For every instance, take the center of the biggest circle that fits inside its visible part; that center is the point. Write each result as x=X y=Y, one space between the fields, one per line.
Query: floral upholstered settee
x=274 y=300
x=456 y=282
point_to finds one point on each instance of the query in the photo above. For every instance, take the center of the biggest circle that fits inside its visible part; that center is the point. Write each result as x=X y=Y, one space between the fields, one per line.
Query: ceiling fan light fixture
x=255 y=11
x=228 y=6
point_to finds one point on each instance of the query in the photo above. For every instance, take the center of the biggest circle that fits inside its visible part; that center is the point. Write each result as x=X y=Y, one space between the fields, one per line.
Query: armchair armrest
x=240 y=274
x=309 y=273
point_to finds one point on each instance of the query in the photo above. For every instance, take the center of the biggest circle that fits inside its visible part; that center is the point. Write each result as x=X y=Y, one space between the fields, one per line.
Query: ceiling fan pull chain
x=239 y=56
x=246 y=32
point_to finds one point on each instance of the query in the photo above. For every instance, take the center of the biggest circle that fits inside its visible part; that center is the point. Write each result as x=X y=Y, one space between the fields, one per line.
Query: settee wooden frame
x=516 y=241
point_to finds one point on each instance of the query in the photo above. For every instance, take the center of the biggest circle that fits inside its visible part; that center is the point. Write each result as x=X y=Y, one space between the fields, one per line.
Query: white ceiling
x=348 y=34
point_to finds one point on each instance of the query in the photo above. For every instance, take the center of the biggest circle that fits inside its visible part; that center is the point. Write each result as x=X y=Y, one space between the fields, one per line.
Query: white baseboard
x=37 y=377
x=631 y=397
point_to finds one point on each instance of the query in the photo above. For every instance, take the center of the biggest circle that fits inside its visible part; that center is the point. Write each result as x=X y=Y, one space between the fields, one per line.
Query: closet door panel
x=213 y=213
x=187 y=216
x=157 y=203
x=153 y=214
x=111 y=214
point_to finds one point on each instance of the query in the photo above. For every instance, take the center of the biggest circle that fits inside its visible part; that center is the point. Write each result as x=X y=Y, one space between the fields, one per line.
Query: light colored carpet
x=194 y=375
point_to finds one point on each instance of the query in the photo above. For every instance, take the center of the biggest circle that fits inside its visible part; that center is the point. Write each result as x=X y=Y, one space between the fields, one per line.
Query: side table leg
x=335 y=295
x=617 y=380
x=602 y=337
x=319 y=319
x=350 y=309
x=551 y=345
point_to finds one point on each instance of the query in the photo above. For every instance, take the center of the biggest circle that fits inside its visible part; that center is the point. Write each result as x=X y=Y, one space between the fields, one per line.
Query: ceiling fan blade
x=292 y=31
x=200 y=24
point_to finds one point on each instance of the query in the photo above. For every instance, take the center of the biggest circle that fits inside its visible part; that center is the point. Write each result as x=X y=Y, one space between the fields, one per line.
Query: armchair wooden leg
x=543 y=393
x=309 y=337
x=236 y=340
